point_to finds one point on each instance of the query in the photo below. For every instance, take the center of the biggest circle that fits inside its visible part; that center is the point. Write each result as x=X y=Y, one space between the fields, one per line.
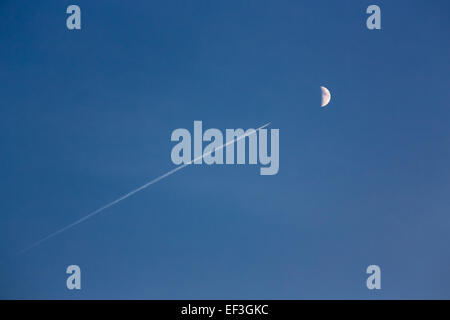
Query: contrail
x=129 y=194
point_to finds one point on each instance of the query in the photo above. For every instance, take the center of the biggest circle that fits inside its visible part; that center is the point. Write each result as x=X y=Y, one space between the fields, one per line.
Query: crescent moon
x=326 y=96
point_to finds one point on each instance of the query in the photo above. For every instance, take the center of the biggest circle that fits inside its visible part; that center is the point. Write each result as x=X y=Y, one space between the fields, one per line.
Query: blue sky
x=87 y=115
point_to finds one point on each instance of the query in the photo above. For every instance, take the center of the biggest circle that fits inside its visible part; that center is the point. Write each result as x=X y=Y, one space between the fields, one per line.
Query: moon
x=326 y=96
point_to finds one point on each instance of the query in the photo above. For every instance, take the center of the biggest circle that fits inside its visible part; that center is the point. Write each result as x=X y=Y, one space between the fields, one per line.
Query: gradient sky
x=86 y=116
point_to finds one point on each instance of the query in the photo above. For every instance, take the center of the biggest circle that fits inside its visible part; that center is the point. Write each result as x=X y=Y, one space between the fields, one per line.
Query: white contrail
x=129 y=194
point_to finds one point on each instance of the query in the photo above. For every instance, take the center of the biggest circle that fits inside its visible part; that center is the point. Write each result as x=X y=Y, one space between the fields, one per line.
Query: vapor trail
x=129 y=194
